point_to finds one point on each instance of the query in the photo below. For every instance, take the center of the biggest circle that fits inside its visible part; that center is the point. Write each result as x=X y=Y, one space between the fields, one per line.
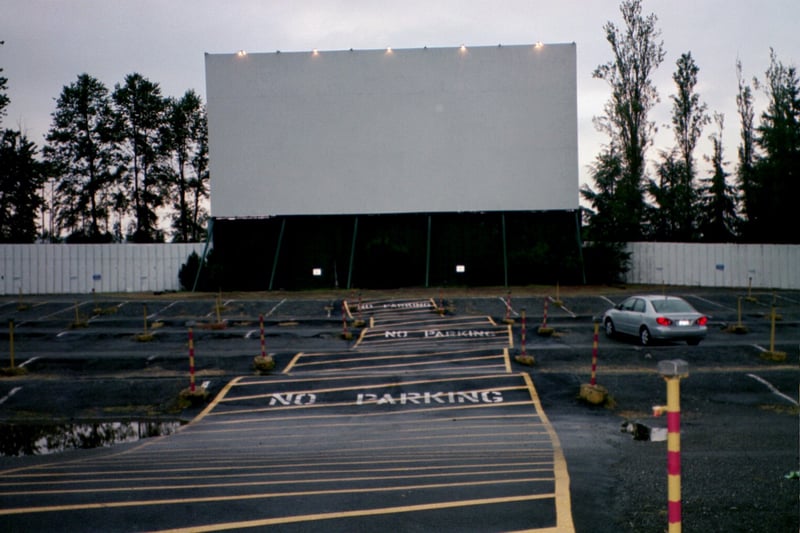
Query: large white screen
x=379 y=131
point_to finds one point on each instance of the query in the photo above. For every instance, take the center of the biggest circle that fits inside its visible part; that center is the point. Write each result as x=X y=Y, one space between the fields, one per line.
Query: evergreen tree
x=675 y=193
x=4 y=99
x=82 y=151
x=637 y=53
x=21 y=179
x=140 y=110
x=777 y=173
x=718 y=218
x=746 y=151
x=185 y=140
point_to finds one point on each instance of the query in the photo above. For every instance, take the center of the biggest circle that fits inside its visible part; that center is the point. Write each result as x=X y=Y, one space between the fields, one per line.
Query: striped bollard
x=544 y=331
x=592 y=392
x=263 y=344
x=523 y=332
x=544 y=320
x=191 y=360
x=593 y=381
x=346 y=335
x=672 y=371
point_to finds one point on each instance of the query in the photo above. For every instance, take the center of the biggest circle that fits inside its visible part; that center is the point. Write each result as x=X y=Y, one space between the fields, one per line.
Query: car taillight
x=663 y=321
x=702 y=321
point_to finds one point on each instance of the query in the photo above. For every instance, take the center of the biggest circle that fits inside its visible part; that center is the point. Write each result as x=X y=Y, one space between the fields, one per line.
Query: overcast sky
x=48 y=43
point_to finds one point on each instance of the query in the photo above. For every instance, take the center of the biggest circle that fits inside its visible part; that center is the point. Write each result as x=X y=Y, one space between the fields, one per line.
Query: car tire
x=644 y=336
x=609 y=328
x=693 y=342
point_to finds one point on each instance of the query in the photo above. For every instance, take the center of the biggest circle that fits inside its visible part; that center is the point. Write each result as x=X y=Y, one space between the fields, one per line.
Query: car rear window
x=671 y=306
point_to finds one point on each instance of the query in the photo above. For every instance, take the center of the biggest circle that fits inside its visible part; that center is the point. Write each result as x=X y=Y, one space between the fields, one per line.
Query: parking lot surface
x=414 y=421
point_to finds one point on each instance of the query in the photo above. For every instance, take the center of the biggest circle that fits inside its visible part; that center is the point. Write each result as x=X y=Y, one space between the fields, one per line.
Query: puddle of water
x=42 y=439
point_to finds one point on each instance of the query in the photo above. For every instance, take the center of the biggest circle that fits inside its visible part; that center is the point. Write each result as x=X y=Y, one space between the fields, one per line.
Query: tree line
x=119 y=164
x=754 y=203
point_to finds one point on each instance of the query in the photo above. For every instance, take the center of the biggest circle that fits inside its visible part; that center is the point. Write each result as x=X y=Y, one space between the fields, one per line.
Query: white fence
x=773 y=266
x=80 y=268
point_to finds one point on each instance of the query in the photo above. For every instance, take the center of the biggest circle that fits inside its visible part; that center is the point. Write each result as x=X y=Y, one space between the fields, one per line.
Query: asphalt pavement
x=411 y=421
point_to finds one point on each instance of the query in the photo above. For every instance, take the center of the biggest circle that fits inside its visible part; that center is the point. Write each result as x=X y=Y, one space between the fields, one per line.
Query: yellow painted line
x=339 y=365
x=381 y=384
x=422 y=325
x=531 y=466
x=563 y=499
x=510 y=336
x=210 y=407
x=507 y=359
x=347 y=358
x=303 y=481
x=284 y=469
x=284 y=494
x=361 y=337
x=362 y=512
x=416 y=410
x=415 y=428
x=305 y=418
x=392 y=440
x=292 y=363
x=302 y=422
x=426 y=353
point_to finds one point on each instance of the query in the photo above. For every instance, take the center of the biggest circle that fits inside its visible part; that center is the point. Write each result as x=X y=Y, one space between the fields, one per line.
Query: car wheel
x=644 y=336
x=693 y=342
x=609 y=327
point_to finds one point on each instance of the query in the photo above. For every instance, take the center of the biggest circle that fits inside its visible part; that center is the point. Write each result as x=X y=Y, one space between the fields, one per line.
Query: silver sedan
x=651 y=317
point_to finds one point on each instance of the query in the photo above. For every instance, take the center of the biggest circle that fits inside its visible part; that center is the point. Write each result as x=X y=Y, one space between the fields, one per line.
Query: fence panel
x=774 y=266
x=81 y=268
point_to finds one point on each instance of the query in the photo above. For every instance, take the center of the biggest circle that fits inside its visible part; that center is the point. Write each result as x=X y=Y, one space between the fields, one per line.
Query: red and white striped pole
x=593 y=381
x=523 y=331
x=544 y=320
x=191 y=360
x=344 y=320
x=673 y=371
x=263 y=344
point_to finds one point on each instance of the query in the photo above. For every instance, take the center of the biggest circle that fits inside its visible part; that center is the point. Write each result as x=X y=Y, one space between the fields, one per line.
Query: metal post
x=191 y=360
x=345 y=334
x=505 y=252
x=772 y=331
x=11 y=340
x=593 y=381
x=428 y=256
x=277 y=253
x=672 y=371
x=739 y=310
x=544 y=320
x=352 y=253
x=261 y=327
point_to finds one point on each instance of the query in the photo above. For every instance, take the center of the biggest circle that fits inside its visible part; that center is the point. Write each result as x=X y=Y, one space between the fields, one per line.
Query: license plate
x=684 y=322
